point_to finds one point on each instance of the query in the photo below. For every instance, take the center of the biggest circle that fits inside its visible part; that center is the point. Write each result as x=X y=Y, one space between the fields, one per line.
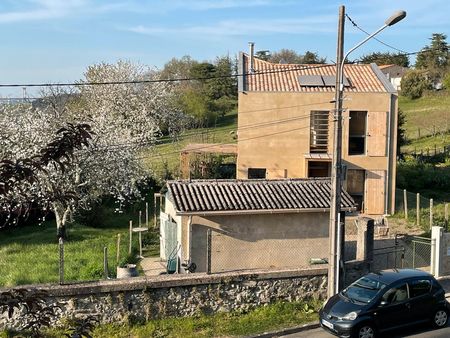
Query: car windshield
x=363 y=290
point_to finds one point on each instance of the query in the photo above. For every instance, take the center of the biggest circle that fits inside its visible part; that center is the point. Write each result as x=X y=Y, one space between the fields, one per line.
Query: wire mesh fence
x=275 y=250
x=421 y=211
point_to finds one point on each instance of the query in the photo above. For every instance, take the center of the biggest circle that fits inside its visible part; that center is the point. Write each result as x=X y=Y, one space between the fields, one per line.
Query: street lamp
x=335 y=207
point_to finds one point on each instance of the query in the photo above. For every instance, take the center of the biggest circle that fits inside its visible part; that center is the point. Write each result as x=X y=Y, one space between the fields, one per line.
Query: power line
x=81 y=83
x=380 y=41
x=248 y=126
x=401 y=52
x=223 y=143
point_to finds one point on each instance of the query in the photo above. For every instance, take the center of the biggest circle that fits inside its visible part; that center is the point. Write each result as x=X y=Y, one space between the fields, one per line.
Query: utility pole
x=336 y=170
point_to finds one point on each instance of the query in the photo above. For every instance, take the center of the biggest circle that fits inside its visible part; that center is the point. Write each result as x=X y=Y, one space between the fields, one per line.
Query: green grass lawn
x=432 y=111
x=30 y=254
x=268 y=318
x=165 y=157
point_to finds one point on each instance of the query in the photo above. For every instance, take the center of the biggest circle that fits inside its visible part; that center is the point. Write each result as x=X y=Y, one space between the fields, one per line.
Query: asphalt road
x=421 y=331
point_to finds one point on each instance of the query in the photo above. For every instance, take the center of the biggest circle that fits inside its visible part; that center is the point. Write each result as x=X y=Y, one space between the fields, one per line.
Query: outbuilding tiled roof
x=289 y=195
x=274 y=77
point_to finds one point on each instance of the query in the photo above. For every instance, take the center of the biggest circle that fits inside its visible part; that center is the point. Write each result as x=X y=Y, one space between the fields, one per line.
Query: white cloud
x=43 y=9
x=35 y=10
x=317 y=24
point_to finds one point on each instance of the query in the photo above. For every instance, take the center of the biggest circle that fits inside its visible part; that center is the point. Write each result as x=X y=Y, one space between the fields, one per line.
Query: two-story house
x=285 y=127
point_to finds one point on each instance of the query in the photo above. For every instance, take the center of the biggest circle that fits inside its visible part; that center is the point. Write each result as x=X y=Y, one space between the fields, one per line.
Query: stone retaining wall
x=145 y=298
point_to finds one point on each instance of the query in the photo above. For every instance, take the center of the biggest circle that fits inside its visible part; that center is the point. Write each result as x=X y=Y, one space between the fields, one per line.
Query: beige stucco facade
x=252 y=241
x=274 y=131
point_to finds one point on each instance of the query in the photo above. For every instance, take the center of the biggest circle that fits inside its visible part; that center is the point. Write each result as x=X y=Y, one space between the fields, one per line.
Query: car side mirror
x=383 y=303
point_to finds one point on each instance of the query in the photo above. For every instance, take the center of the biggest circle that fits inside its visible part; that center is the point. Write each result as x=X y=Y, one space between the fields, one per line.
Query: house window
x=355 y=186
x=357 y=133
x=319 y=132
x=319 y=168
x=256 y=173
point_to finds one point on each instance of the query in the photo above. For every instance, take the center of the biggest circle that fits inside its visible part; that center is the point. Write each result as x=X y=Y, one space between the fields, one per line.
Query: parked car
x=383 y=301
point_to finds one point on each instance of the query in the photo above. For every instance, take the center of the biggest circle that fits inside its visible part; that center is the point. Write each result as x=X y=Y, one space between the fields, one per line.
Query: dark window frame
x=256 y=173
x=357 y=140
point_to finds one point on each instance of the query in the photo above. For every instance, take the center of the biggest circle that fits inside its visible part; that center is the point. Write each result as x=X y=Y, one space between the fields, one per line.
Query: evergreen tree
x=386 y=59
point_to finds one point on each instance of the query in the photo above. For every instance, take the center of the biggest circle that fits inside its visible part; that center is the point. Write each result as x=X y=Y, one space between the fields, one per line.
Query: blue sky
x=54 y=41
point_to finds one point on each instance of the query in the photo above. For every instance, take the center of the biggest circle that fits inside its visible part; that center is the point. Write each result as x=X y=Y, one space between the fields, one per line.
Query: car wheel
x=365 y=331
x=440 y=318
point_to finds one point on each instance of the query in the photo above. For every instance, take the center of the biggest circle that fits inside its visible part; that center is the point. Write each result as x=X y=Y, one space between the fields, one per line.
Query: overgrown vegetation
x=427 y=178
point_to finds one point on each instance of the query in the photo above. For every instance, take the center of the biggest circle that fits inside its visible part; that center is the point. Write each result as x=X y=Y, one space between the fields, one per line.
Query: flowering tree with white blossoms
x=124 y=120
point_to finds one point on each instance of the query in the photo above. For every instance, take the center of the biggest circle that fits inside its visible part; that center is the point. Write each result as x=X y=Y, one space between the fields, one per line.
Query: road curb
x=290 y=330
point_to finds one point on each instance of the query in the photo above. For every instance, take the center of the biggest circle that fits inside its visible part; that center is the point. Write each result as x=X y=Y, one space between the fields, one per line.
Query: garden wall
x=144 y=298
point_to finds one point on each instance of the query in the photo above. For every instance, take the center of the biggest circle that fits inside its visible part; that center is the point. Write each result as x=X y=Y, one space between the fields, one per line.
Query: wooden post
x=446 y=215
x=418 y=132
x=140 y=218
x=131 y=237
x=418 y=209
x=61 y=261
x=435 y=149
x=154 y=210
x=146 y=214
x=431 y=213
x=105 y=262
x=405 y=203
x=118 y=250
x=208 y=251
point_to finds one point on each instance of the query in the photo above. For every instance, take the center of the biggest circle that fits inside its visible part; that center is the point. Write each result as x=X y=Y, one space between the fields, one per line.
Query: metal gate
x=168 y=238
x=389 y=257
x=418 y=252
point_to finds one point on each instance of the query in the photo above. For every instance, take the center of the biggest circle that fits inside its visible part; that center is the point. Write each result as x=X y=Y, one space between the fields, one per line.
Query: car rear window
x=419 y=287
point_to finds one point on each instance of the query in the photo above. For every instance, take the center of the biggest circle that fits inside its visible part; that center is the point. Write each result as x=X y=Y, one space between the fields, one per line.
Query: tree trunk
x=61 y=214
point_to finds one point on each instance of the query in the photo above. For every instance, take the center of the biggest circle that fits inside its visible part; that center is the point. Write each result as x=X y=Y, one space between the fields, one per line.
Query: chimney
x=251 y=46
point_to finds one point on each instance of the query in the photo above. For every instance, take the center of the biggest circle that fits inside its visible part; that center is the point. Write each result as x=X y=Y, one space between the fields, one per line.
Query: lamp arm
x=341 y=80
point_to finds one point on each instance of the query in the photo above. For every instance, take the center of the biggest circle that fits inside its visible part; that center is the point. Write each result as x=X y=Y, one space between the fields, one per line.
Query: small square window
x=256 y=173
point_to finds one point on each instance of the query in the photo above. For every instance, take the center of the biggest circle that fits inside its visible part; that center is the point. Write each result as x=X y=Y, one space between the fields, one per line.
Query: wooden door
x=374 y=198
x=377 y=133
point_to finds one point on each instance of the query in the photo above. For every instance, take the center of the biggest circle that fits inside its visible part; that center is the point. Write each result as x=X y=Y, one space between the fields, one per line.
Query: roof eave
x=257 y=212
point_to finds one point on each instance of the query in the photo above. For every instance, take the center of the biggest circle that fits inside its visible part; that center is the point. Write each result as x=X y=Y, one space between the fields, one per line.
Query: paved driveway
x=422 y=331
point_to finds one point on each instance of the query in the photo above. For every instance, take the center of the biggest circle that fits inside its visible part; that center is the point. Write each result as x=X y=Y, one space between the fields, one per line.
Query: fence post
x=208 y=252
x=418 y=132
x=446 y=215
x=146 y=214
x=61 y=261
x=118 y=250
x=431 y=213
x=131 y=237
x=405 y=203
x=418 y=209
x=105 y=262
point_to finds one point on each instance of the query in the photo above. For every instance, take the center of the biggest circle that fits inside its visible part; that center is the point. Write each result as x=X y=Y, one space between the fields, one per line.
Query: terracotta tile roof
x=289 y=195
x=273 y=77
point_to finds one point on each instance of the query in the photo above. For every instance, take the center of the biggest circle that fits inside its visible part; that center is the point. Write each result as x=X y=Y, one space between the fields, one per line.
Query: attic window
x=320 y=81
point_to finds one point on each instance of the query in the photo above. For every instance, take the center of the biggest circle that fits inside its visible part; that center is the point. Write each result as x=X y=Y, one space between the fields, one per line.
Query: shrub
x=413 y=84
x=446 y=81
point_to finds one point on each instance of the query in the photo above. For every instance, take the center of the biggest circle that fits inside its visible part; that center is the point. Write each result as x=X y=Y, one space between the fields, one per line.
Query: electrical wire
x=223 y=143
x=375 y=38
x=81 y=83
x=248 y=126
